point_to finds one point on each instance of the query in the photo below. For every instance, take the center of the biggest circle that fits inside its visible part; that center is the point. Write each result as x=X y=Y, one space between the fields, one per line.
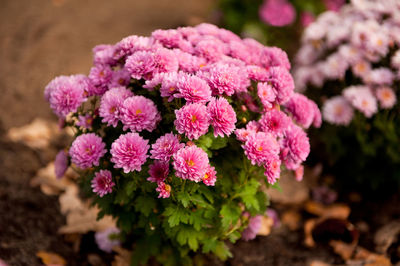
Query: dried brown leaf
x=343 y=249
x=386 y=235
x=122 y=258
x=371 y=259
x=266 y=225
x=318 y=263
x=49 y=184
x=291 y=219
x=308 y=227
x=49 y=258
x=337 y=210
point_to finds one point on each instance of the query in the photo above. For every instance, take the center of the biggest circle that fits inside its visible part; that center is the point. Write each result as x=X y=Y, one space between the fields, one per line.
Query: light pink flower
x=260 y=148
x=362 y=99
x=210 y=177
x=111 y=104
x=282 y=82
x=193 y=89
x=275 y=122
x=191 y=162
x=165 y=147
x=253 y=228
x=386 y=97
x=337 y=110
x=266 y=93
x=192 y=120
x=222 y=116
x=104 y=241
x=86 y=150
x=272 y=170
x=164 y=190
x=61 y=164
x=295 y=147
x=302 y=109
x=277 y=12
x=102 y=183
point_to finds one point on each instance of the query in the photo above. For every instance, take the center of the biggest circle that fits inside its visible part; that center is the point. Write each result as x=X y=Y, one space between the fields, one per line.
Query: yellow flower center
x=260 y=148
x=190 y=163
x=138 y=111
x=206 y=176
x=194 y=118
x=167 y=187
x=112 y=109
x=171 y=89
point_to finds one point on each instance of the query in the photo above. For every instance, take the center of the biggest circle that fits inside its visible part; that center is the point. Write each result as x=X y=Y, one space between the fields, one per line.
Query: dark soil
x=45 y=38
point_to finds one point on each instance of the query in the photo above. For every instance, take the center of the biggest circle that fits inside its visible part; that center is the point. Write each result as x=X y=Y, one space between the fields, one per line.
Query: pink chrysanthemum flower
x=141 y=64
x=295 y=147
x=253 y=228
x=131 y=44
x=119 y=78
x=86 y=150
x=257 y=73
x=100 y=76
x=240 y=51
x=103 y=54
x=379 y=76
x=275 y=122
x=306 y=18
x=223 y=79
x=85 y=121
x=317 y=121
x=165 y=147
x=158 y=171
x=61 y=164
x=386 y=97
x=168 y=38
x=277 y=12
x=260 y=148
x=272 y=170
x=165 y=61
x=274 y=56
x=163 y=189
x=222 y=116
x=65 y=94
x=102 y=183
x=210 y=177
x=282 y=81
x=191 y=162
x=192 y=120
x=193 y=89
x=211 y=48
x=129 y=152
x=243 y=133
x=111 y=103
x=104 y=241
x=302 y=109
x=139 y=113
x=337 y=110
x=266 y=94
x=362 y=99
x=188 y=62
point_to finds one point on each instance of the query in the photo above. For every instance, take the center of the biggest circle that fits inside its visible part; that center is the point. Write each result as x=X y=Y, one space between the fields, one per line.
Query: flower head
x=386 y=97
x=260 y=148
x=165 y=147
x=362 y=99
x=295 y=147
x=302 y=109
x=191 y=162
x=337 y=110
x=111 y=103
x=102 y=183
x=277 y=12
x=158 y=171
x=272 y=170
x=61 y=164
x=275 y=122
x=222 y=116
x=104 y=240
x=86 y=150
x=192 y=120
x=253 y=228
x=193 y=89
x=210 y=176
x=163 y=189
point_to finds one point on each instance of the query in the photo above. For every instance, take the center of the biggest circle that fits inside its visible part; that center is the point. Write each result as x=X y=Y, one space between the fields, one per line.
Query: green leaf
x=145 y=204
x=176 y=215
x=218 y=143
x=230 y=213
x=222 y=251
x=184 y=198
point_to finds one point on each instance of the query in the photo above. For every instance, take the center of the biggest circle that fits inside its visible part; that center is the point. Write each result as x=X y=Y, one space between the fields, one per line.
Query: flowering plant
x=177 y=133
x=350 y=62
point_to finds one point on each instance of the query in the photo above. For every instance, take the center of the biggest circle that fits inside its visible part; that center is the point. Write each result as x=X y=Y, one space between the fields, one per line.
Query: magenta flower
x=85 y=121
x=253 y=228
x=295 y=147
x=100 y=76
x=210 y=177
x=243 y=133
x=257 y=73
x=102 y=183
x=277 y=12
x=131 y=44
x=223 y=79
x=165 y=147
x=190 y=162
x=119 y=78
x=168 y=38
x=222 y=116
x=337 y=110
x=260 y=148
x=129 y=152
x=111 y=104
x=282 y=82
x=65 y=94
x=163 y=189
x=188 y=62
x=211 y=49
x=274 y=56
x=192 y=120
x=272 y=170
x=266 y=93
x=104 y=241
x=103 y=54
x=139 y=113
x=158 y=171
x=302 y=109
x=193 y=89
x=86 y=150
x=61 y=164
x=275 y=122
x=141 y=64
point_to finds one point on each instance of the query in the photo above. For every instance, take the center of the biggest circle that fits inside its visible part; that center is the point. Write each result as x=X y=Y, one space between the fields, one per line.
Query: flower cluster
x=359 y=46
x=161 y=114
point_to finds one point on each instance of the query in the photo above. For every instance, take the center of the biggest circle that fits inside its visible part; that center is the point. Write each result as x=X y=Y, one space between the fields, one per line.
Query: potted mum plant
x=178 y=133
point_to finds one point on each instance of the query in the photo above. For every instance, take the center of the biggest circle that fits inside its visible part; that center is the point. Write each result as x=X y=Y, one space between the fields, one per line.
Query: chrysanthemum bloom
x=275 y=122
x=379 y=76
x=131 y=44
x=163 y=189
x=61 y=164
x=222 y=116
x=165 y=147
x=210 y=177
x=337 y=110
x=111 y=103
x=362 y=99
x=334 y=5
x=272 y=170
x=193 y=89
x=243 y=133
x=139 y=113
x=302 y=109
x=103 y=54
x=260 y=148
x=386 y=97
x=295 y=147
x=158 y=171
x=141 y=64
x=212 y=49
x=282 y=81
x=85 y=121
x=253 y=228
x=129 y=152
x=100 y=76
x=86 y=150
x=274 y=56
x=102 y=183
x=257 y=73
x=192 y=120
x=105 y=240
x=165 y=61
x=188 y=62
x=119 y=78
x=191 y=162
x=223 y=79
x=168 y=38
x=277 y=12
x=306 y=18
x=266 y=94
x=65 y=94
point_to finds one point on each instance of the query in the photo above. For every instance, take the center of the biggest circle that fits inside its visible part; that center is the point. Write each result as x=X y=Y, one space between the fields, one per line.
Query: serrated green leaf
x=145 y=204
x=230 y=213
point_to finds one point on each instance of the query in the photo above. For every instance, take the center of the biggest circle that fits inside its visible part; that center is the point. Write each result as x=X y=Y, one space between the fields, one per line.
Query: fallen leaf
x=36 y=135
x=343 y=249
x=370 y=259
x=48 y=182
x=308 y=227
x=318 y=263
x=122 y=258
x=386 y=235
x=49 y=258
x=337 y=210
x=70 y=201
x=291 y=219
x=266 y=225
